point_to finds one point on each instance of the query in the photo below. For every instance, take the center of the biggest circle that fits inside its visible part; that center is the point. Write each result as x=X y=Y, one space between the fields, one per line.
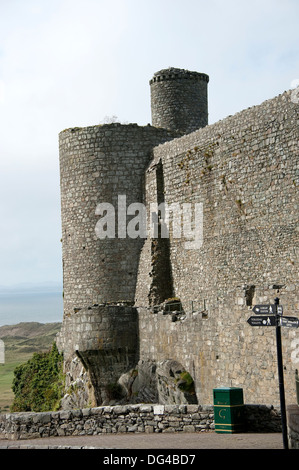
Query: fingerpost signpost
x=271 y=315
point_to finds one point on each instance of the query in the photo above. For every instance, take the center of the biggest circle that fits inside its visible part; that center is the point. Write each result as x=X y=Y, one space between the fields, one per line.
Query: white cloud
x=2 y=91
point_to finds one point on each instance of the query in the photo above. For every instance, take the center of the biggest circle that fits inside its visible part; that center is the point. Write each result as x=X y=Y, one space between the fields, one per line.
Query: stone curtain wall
x=245 y=172
x=129 y=418
x=97 y=164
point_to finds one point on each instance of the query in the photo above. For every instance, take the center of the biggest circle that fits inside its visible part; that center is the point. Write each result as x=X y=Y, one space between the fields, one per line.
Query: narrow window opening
x=249 y=294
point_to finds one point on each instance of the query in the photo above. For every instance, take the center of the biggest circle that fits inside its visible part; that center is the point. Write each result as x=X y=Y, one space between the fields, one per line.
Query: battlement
x=176 y=74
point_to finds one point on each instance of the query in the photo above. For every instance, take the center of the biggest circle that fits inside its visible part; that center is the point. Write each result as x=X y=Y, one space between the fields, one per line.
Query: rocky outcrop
x=165 y=382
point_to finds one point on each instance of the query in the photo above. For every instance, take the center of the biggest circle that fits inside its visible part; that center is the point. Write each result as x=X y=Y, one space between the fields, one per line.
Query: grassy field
x=21 y=341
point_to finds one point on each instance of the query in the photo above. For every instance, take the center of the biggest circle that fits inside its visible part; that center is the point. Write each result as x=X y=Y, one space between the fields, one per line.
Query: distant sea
x=30 y=306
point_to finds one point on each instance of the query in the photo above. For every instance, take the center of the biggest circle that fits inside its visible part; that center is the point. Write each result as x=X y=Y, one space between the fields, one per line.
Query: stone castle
x=154 y=318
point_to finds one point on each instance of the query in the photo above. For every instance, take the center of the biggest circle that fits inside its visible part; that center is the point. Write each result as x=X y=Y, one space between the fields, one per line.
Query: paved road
x=202 y=440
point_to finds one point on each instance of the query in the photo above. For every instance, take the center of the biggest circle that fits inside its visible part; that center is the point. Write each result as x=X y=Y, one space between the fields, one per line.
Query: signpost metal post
x=271 y=315
x=281 y=382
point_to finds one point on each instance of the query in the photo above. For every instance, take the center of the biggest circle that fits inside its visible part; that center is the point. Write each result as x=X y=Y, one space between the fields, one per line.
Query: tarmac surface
x=171 y=441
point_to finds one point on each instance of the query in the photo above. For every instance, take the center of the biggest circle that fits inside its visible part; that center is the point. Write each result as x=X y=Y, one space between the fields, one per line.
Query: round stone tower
x=101 y=169
x=179 y=100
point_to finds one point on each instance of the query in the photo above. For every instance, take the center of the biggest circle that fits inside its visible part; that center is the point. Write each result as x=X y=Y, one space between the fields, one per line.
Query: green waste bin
x=228 y=409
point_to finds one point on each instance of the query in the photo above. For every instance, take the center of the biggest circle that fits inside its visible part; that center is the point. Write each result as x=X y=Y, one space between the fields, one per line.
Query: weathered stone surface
x=244 y=171
x=157 y=418
x=179 y=99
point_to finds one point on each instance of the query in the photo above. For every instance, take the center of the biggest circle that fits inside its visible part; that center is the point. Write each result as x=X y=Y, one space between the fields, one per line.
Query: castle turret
x=101 y=168
x=102 y=174
x=179 y=99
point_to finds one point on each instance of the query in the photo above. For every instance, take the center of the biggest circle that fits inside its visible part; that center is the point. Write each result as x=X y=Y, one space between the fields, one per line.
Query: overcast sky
x=66 y=63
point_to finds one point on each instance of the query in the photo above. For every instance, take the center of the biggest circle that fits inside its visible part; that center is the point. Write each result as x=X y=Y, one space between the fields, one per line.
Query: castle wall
x=242 y=174
x=245 y=172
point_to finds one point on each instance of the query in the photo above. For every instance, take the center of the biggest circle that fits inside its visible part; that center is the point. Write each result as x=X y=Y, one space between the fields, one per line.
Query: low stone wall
x=262 y=418
x=146 y=418
x=293 y=426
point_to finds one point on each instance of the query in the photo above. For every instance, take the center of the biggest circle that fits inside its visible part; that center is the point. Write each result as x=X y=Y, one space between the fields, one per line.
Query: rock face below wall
x=165 y=382
x=102 y=363
x=79 y=391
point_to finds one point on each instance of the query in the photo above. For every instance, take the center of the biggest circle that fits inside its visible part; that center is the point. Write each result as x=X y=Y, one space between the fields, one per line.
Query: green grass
x=6 y=378
x=20 y=342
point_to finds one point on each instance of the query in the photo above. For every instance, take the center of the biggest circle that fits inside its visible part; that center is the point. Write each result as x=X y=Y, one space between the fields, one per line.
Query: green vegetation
x=186 y=383
x=21 y=342
x=38 y=384
x=6 y=393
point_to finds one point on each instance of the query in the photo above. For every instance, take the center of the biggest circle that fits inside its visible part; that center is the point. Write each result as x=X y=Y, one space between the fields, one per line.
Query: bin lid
x=228 y=388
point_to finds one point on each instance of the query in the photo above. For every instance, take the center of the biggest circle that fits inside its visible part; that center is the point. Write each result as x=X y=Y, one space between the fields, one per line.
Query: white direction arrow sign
x=264 y=309
x=291 y=322
x=270 y=320
x=268 y=309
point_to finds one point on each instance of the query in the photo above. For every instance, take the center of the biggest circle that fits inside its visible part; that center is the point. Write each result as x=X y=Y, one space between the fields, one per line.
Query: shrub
x=38 y=384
